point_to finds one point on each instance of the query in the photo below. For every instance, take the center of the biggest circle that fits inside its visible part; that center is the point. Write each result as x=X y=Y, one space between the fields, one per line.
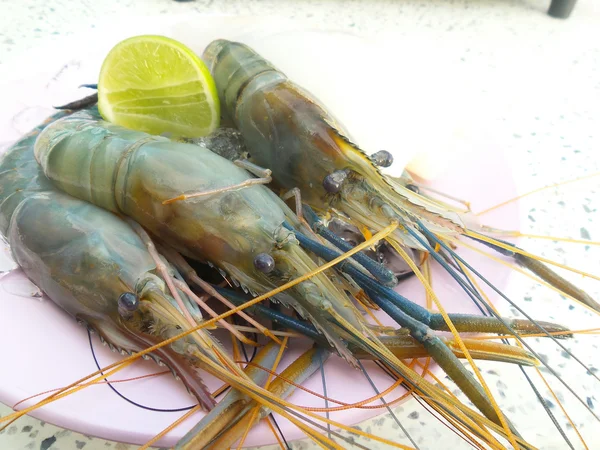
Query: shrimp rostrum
x=289 y=132
x=249 y=234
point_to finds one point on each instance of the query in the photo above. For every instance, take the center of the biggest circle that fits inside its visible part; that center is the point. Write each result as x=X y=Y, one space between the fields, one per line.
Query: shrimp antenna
x=535 y=191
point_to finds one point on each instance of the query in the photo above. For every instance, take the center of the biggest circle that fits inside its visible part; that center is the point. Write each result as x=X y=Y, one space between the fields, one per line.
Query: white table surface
x=532 y=82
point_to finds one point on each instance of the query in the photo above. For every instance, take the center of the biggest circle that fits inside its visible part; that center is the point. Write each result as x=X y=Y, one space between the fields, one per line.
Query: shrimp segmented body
x=288 y=131
x=239 y=231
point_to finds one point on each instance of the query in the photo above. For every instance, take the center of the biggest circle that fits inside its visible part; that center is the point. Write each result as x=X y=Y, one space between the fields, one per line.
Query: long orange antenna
x=562 y=183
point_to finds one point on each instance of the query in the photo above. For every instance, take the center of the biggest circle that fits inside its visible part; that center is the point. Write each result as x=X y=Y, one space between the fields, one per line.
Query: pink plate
x=43 y=348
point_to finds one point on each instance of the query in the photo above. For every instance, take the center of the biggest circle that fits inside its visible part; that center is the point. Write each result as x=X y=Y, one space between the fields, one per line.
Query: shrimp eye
x=128 y=302
x=264 y=262
x=334 y=181
x=382 y=158
x=412 y=187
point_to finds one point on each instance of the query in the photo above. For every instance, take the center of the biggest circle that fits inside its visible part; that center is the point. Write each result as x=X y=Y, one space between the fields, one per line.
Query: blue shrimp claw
x=543 y=271
x=417 y=320
x=403 y=346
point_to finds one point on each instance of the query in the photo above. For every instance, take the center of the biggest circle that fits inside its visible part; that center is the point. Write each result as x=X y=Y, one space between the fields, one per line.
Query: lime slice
x=158 y=85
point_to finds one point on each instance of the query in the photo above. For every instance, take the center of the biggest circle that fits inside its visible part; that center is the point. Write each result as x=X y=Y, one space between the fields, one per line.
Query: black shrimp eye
x=412 y=187
x=382 y=158
x=334 y=181
x=128 y=301
x=264 y=262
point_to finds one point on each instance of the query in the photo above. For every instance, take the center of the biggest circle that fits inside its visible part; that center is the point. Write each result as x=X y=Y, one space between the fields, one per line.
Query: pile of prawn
x=127 y=232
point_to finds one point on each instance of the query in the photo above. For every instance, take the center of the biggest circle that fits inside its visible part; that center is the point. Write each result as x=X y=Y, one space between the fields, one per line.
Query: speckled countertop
x=531 y=79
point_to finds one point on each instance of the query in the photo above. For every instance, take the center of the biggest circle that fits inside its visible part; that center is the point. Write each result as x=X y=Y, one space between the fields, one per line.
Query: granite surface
x=531 y=79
